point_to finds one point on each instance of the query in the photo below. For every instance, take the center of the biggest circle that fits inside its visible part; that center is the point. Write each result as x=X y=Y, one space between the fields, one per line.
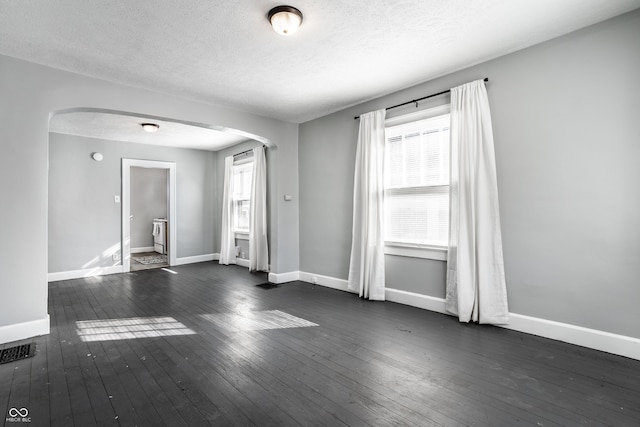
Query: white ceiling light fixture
x=285 y=20
x=150 y=127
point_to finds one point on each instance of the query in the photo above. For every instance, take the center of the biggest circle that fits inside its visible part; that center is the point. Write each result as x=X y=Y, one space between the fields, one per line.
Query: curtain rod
x=415 y=101
x=244 y=152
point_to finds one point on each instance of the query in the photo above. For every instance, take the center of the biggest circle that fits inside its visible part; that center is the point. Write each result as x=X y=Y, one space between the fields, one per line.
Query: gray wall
x=148 y=201
x=567 y=131
x=84 y=221
x=30 y=94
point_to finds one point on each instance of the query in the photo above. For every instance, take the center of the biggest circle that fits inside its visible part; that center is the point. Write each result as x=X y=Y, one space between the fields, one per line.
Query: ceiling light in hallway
x=285 y=20
x=150 y=127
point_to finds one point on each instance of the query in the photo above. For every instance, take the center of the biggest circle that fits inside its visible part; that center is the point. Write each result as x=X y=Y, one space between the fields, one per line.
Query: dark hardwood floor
x=205 y=346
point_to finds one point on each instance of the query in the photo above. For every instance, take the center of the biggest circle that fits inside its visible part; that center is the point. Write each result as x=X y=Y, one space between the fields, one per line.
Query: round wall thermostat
x=97 y=156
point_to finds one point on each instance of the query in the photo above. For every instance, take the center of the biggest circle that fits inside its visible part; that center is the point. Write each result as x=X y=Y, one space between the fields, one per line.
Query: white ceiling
x=112 y=126
x=224 y=51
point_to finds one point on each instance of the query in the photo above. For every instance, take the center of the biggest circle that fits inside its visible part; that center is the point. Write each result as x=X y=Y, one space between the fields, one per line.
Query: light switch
x=288 y=198
x=116 y=199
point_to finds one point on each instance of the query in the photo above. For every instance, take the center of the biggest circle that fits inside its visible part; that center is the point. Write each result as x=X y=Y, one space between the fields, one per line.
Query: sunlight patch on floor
x=130 y=328
x=256 y=320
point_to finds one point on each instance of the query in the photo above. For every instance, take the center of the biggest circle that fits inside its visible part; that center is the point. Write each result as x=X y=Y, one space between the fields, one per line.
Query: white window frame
x=407 y=249
x=240 y=234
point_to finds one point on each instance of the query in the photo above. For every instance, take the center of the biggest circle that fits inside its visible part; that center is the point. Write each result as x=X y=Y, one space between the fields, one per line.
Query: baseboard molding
x=291 y=276
x=24 y=330
x=143 y=249
x=79 y=274
x=415 y=300
x=197 y=258
x=329 y=282
x=591 y=338
x=242 y=262
x=101 y=271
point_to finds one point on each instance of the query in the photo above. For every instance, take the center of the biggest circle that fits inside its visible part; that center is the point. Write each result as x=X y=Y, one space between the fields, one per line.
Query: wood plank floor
x=203 y=345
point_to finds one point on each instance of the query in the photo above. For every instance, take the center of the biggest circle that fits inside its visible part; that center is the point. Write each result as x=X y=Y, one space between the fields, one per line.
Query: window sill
x=416 y=251
x=240 y=235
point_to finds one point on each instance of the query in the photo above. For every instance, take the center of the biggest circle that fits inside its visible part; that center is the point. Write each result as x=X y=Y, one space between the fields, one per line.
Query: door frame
x=127 y=164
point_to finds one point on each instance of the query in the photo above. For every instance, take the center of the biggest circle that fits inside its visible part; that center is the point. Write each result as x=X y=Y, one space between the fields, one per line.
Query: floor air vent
x=18 y=352
x=268 y=285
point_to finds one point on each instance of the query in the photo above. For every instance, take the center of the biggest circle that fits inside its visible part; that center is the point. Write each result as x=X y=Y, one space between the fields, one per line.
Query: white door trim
x=126 y=207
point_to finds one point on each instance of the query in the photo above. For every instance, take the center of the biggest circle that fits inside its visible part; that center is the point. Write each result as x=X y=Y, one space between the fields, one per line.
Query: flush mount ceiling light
x=150 y=127
x=285 y=20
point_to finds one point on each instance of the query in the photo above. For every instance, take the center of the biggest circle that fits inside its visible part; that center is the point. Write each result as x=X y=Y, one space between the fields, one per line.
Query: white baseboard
x=242 y=262
x=329 y=282
x=24 y=330
x=197 y=258
x=142 y=249
x=291 y=276
x=591 y=338
x=79 y=274
x=416 y=300
x=101 y=271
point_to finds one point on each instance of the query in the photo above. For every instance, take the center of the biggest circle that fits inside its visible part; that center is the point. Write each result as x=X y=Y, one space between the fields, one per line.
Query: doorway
x=149 y=218
x=162 y=229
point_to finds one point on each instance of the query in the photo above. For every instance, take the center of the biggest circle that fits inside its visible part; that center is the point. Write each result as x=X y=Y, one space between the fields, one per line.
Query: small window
x=242 y=174
x=417 y=182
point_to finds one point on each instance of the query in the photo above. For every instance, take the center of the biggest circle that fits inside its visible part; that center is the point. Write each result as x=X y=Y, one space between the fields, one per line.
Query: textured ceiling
x=224 y=51
x=119 y=127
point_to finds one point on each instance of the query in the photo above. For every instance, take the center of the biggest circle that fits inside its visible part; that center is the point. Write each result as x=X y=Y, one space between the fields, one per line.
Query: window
x=417 y=182
x=241 y=196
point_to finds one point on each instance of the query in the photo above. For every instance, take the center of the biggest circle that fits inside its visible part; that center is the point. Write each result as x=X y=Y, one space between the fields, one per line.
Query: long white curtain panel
x=258 y=245
x=476 y=288
x=227 y=241
x=366 y=268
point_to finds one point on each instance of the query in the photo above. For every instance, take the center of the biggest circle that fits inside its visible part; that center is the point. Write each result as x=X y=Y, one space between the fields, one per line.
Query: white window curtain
x=227 y=242
x=366 y=268
x=476 y=289
x=258 y=245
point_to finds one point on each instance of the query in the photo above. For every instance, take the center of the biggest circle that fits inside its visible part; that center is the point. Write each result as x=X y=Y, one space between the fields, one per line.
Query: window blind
x=242 y=196
x=417 y=182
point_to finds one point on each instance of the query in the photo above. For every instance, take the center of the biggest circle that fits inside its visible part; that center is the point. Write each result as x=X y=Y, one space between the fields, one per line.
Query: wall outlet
x=314 y=280
x=116 y=256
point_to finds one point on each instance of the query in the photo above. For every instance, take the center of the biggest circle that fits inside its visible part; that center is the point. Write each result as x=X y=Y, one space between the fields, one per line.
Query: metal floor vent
x=18 y=352
x=268 y=285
